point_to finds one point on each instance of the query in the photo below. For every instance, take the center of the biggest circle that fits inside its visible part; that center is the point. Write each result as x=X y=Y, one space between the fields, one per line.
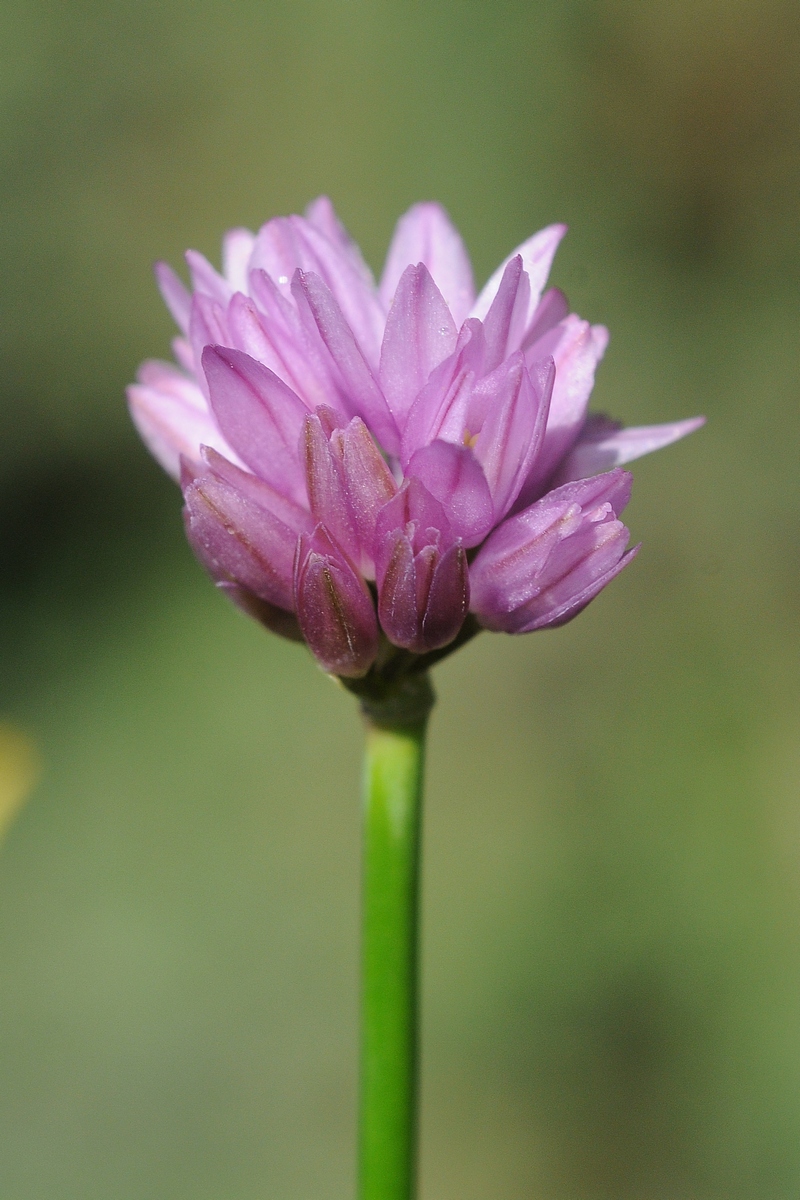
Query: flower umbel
x=382 y=471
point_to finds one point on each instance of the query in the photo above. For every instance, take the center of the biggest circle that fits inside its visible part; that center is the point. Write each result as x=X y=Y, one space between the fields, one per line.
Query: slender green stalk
x=392 y=811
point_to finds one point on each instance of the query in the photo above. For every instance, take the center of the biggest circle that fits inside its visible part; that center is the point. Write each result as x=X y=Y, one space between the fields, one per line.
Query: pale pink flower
x=366 y=466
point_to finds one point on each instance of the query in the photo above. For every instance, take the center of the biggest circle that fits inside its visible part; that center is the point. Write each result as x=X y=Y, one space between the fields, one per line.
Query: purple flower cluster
x=364 y=466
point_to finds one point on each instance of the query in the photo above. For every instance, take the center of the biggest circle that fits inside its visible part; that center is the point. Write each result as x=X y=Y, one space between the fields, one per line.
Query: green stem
x=392 y=809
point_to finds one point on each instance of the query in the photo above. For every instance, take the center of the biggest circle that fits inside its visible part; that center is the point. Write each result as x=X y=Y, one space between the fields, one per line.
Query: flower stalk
x=393 y=770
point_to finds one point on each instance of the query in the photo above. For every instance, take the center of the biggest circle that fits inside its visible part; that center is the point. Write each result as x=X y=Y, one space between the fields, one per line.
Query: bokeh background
x=612 y=844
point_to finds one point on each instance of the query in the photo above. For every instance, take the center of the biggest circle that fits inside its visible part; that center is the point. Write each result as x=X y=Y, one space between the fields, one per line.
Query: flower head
x=382 y=470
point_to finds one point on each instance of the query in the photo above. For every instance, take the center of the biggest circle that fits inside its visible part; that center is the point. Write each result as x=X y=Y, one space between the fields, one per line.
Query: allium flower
x=395 y=466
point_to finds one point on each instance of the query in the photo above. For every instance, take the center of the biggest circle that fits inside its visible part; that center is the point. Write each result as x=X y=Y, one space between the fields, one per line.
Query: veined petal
x=325 y=485
x=260 y=417
x=334 y=607
x=570 y=595
x=247 y=332
x=455 y=478
x=420 y=334
x=322 y=215
x=175 y=294
x=425 y=234
x=537 y=255
x=397 y=591
x=172 y=416
x=512 y=431
x=307 y=366
x=208 y=326
x=440 y=409
x=366 y=398
x=550 y=311
x=205 y=280
x=537 y=562
x=578 y=349
x=240 y=542
x=599 y=447
x=287 y=244
x=504 y=326
x=421 y=573
x=292 y=515
x=448 y=599
x=369 y=484
x=415 y=513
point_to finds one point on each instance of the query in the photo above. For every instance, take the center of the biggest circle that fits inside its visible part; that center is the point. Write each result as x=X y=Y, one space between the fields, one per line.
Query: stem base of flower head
x=405 y=705
x=396 y=692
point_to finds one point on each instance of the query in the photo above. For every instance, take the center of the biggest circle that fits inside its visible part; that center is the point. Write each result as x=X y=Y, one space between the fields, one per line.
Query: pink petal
x=569 y=603
x=239 y=541
x=322 y=215
x=425 y=234
x=172 y=416
x=440 y=408
x=421 y=573
x=578 y=350
x=237 y=246
x=397 y=592
x=327 y=496
x=287 y=244
x=592 y=454
x=550 y=311
x=420 y=334
x=537 y=255
x=504 y=325
x=184 y=355
x=248 y=332
x=366 y=398
x=307 y=366
x=259 y=415
x=455 y=478
x=542 y=566
x=255 y=489
x=447 y=601
x=508 y=564
x=208 y=326
x=368 y=482
x=334 y=607
x=414 y=507
x=175 y=294
x=511 y=435
x=206 y=280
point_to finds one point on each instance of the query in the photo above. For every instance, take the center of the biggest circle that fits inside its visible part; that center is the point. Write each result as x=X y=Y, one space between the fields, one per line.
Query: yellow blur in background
x=611 y=909
x=19 y=771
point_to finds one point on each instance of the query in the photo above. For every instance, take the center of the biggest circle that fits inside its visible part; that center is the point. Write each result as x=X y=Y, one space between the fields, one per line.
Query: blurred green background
x=612 y=845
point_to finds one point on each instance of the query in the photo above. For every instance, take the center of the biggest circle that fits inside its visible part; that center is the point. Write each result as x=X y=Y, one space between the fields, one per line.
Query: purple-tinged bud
x=242 y=531
x=325 y=484
x=368 y=480
x=348 y=482
x=541 y=567
x=422 y=574
x=334 y=607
